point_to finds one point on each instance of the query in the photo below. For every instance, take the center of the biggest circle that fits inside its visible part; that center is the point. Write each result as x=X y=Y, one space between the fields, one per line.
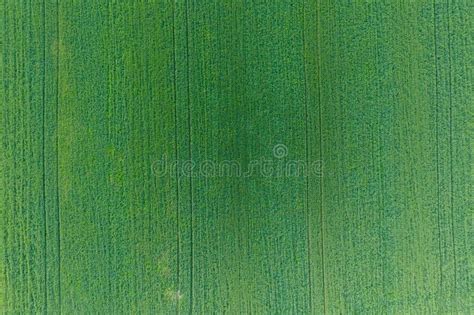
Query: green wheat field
x=237 y=157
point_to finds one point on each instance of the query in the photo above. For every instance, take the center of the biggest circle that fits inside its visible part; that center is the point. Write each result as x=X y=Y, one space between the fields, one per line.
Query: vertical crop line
x=435 y=38
x=43 y=162
x=5 y=145
x=451 y=142
x=58 y=212
x=321 y=216
x=178 y=242
x=308 y=223
x=380 y=145
x=190 y=156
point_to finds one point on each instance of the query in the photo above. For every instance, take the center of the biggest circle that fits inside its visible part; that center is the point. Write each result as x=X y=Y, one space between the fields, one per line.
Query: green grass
x=96 y=93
